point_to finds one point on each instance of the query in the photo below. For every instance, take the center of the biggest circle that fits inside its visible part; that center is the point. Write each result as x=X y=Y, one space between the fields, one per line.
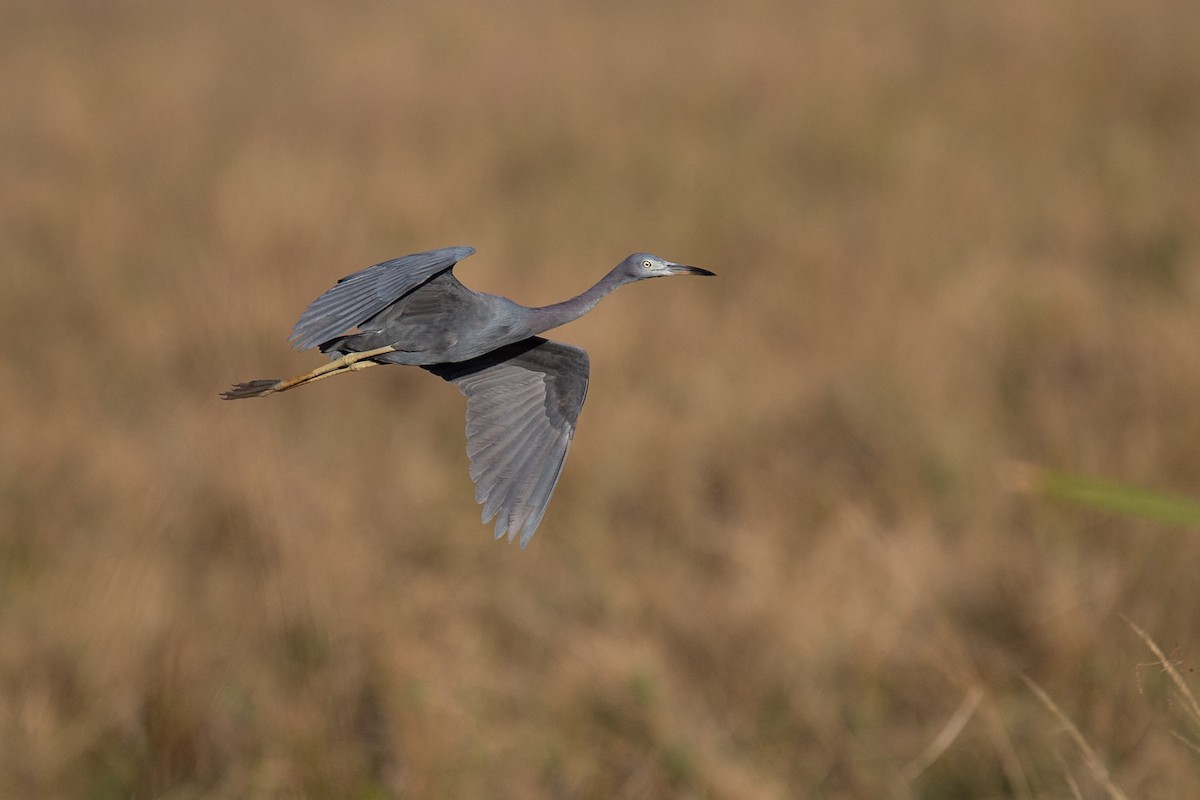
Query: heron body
x=524 y=393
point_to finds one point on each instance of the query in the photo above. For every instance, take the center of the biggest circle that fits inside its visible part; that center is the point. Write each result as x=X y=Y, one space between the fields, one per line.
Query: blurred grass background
x=785 y=552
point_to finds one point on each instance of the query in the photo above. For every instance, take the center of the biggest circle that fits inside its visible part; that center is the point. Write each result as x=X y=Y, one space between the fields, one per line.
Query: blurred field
x=786 y=548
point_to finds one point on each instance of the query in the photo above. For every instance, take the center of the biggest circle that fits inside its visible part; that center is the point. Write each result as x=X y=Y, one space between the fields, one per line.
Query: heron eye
x=647 y=264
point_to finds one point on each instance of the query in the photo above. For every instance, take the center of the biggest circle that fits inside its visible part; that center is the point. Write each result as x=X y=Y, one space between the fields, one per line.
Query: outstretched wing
x=358 y=297
x=522 y=403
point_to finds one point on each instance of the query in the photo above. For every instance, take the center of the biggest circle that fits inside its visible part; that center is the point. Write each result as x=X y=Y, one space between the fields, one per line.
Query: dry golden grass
x=783 y=560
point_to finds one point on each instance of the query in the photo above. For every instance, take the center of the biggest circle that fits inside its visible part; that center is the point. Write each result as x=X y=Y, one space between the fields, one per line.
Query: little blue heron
x=524 y=393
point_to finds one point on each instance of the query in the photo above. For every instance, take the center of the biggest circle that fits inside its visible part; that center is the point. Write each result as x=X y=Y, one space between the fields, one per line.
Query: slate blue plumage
x=524 y=393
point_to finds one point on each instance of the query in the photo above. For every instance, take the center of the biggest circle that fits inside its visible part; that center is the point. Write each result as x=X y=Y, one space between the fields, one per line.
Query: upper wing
x=522 y=403
x=364 y=294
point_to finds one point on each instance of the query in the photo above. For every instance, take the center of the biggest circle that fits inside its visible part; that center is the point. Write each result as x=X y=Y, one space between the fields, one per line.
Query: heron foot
x=260 y=388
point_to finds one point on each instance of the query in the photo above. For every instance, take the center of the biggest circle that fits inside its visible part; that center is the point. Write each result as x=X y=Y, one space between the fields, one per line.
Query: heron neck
x=547 y=317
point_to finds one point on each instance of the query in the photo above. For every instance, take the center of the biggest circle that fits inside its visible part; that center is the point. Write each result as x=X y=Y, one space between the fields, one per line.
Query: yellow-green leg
x=351 y=362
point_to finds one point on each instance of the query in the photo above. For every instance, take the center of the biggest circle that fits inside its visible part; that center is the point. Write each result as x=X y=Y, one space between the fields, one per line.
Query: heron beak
x=684 y=269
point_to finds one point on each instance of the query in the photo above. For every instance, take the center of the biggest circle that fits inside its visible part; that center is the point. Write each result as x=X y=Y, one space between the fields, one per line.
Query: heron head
x=640 y=266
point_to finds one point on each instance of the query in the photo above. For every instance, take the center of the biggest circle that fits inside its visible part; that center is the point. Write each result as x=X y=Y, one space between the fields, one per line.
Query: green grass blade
x=1113 y=497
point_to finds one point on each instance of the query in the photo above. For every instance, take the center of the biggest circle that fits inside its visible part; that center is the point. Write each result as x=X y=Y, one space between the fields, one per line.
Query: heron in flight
x=524 y=393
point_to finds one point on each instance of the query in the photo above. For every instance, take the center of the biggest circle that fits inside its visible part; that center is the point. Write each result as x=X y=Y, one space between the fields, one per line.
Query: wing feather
x=358 y=297
x=502 y=443
x=523 y=401
x=549 y=459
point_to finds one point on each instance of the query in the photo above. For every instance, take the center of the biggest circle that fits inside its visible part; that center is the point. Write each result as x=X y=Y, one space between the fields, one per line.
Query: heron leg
x=351 y=362
x=353 y=366
x=348 y=362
